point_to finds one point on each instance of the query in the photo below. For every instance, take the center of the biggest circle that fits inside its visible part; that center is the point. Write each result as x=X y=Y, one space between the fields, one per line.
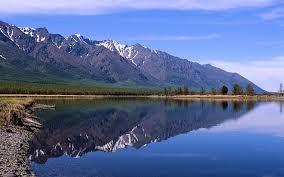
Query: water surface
x=159 y=138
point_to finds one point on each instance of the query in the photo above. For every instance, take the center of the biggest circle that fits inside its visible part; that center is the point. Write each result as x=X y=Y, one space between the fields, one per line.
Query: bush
x=237 y=90
x=250 y=90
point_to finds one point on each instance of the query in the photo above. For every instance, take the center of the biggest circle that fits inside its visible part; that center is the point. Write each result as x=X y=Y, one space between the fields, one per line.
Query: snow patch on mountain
x=28 y=31
x=73 y=38
x=1 y=56
x=78 y=35
x=77 y=38
x=8 y=33
x=128 y=52
x=125 y=51
x=113 y=46
x=33 y=33
x=128 y=139
x=123 y=141
x=1 y=30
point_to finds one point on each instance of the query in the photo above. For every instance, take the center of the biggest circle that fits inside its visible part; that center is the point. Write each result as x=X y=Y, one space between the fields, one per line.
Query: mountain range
x=35 y=55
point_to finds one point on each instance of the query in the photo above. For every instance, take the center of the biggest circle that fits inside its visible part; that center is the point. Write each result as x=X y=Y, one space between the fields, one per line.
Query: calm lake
x=159 y=138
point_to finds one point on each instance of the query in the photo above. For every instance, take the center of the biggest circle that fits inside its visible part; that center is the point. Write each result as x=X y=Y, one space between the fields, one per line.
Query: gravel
x=13 y=151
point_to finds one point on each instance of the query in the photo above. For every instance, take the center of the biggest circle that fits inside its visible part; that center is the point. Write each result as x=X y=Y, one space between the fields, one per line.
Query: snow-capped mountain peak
x=28 y=31
x=78 y=35
x=113 y=45
x=35 y=33
x=77 y=38
x=123 y=50
x=129 y=52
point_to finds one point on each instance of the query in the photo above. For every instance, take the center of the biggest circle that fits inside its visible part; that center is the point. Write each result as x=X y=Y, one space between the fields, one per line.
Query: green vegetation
x=213 y=91
x=71 y=89
x=224 y=90
x=237 y=90
x=104 y=89
x=178 y=91
x=249 y=90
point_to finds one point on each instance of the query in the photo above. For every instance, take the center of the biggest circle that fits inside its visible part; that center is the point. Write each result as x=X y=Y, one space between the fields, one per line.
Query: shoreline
x=17 y=128
x=174 y=97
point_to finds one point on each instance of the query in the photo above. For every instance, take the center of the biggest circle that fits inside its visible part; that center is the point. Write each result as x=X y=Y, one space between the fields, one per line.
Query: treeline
x=53 y=89
x=224 y=90
x=69 y=89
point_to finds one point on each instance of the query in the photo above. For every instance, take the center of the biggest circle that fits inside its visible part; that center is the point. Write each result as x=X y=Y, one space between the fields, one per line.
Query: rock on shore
x=13 y=148
x=17 y=126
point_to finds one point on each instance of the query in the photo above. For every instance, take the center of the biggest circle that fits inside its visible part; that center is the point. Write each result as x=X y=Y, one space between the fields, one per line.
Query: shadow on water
x=81 y=126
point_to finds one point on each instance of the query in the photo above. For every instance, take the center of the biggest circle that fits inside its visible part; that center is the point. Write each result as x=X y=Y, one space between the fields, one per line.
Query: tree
x=170 y=91
x=166 y=91
x=213 y=91
x=250 y=90
x=237 y=90
x=185 y=90
x=179 y=91
x=202 y=91
x=224 y=90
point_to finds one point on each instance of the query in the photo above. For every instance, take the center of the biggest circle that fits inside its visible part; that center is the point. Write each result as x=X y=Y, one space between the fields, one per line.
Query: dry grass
x=13 y=110
x=13 y=100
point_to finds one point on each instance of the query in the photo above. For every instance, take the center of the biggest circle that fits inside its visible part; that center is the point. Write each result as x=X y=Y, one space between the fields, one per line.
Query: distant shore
x=180 y=97
x=230 y=97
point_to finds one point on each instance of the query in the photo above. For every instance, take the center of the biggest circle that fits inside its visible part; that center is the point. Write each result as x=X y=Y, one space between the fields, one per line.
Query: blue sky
x=244 y=36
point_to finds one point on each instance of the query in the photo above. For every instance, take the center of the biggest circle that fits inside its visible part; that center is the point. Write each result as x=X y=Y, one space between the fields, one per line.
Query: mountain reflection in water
x=81 y=126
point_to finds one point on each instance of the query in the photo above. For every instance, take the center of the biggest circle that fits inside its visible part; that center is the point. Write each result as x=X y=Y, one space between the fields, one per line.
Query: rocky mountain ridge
x=78 y=58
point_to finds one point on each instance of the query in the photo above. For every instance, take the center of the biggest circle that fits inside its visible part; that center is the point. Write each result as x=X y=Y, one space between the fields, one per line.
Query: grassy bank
x=13 y=110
